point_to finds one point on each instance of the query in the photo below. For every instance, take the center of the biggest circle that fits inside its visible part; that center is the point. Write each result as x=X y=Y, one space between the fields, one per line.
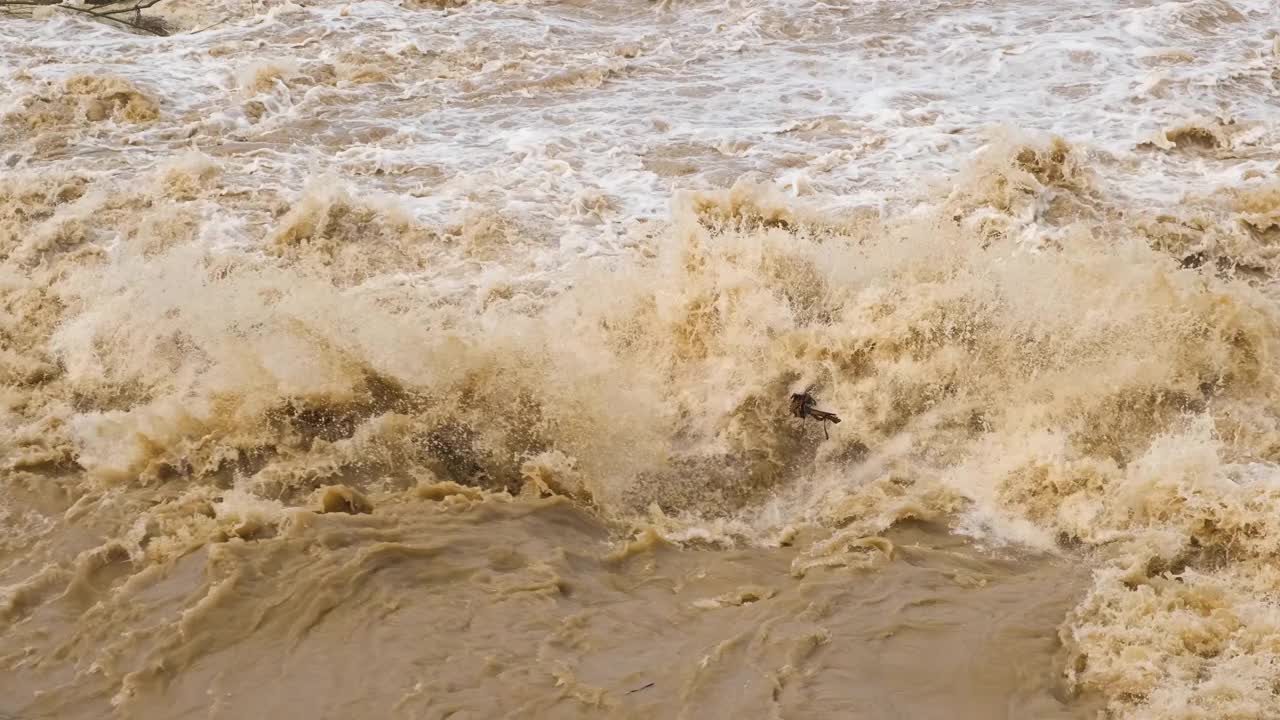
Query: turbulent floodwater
x=432 y=359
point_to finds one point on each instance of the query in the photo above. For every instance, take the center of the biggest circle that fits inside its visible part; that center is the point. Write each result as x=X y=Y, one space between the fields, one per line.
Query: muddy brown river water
x=432 y=360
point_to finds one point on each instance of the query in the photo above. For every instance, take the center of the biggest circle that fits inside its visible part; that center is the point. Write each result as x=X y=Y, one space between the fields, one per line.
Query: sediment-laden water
x=432 y=359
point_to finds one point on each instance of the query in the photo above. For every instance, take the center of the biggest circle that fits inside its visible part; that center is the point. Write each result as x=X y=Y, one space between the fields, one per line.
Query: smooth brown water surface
x=473 y=608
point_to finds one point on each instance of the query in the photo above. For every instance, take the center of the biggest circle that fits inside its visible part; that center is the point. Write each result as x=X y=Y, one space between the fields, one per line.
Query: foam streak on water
x=325 y=324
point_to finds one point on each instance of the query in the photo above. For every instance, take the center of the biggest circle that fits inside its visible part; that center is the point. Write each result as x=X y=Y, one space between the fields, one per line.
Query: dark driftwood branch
x=114 y=11
x=134 y=8
x=803 y=405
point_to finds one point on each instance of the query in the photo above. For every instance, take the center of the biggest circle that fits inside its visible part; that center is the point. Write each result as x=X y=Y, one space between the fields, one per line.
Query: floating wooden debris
x=803 y=405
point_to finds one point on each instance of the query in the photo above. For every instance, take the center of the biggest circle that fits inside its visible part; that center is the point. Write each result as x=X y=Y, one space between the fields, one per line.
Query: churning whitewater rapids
x=431 y=359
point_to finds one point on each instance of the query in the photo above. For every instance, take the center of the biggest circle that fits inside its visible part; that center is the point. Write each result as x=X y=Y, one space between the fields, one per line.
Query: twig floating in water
x=210 y=27
x=113 y=11
x=803 y=406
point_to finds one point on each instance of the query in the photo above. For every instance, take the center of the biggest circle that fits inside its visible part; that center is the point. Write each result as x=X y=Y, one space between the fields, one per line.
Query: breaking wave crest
x=1103 y=384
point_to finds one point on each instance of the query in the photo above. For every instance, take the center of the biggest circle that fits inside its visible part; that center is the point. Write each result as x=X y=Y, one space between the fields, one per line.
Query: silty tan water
x=432 y=359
